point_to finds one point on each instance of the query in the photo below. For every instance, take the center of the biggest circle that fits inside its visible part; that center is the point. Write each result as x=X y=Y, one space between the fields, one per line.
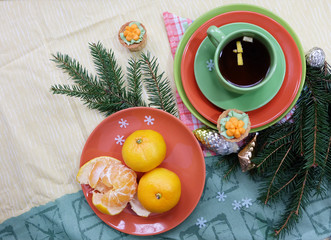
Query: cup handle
x=215 y=35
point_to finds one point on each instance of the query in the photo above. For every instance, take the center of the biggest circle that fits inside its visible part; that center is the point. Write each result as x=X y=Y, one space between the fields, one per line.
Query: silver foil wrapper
x=315 y=57
x=211 y=139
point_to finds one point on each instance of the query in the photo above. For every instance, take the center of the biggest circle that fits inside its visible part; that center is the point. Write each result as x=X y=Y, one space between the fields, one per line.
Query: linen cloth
x=42 y=135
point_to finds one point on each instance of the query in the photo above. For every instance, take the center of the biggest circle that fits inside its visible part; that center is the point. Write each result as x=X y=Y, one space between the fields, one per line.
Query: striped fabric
x=176 y=27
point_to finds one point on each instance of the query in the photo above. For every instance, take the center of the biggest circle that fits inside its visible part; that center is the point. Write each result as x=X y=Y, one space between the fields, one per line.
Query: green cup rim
x=272 y=53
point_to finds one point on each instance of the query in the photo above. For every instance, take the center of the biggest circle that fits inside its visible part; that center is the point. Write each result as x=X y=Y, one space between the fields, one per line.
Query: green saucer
x=213 y=90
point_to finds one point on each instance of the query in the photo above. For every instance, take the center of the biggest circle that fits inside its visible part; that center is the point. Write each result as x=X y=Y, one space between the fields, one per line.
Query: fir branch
x=275 y=173
x=298 y=198
x=283 y=186
x=229 y=163
x=107 y=68
x=277 y=232
x=231 y=170
x=282 y=137
x=87 y=87
x=326 y=171
x=134 y=82
x=79 y=74
x=158 y=88
x=111 y=76
x=269 y=155
x=293 y=160
x=316 y=130
x=108 y=92
x=76 y=91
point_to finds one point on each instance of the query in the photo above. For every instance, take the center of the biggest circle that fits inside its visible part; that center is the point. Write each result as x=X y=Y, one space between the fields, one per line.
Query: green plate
x=214 y=91
x=205 y=17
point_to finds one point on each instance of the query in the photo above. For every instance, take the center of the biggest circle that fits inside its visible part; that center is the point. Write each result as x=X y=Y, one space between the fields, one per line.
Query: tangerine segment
x=159 y=190
x=144 y=150
x=96 y=171
x=114 y=184
x=97 y=202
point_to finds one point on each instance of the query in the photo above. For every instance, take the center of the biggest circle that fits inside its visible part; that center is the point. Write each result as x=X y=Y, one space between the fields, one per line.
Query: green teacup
x=245 y=59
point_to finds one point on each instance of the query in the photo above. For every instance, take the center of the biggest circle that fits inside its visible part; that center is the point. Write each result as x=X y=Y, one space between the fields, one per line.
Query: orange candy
x=234 y=127
x=131 y=32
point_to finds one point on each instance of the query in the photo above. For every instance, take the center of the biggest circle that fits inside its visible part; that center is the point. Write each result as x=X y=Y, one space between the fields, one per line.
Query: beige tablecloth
x=42 y=135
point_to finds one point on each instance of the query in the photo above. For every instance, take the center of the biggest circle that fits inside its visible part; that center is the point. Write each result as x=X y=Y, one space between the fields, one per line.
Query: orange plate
x=184 y=157
x=285 y=96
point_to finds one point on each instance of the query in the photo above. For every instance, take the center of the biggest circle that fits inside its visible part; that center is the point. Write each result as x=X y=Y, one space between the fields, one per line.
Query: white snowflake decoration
x=247 y=202
x=123 y=123
x=236 y=205
x=201 y=222
x=210 y=65
x=119 y=140
x=221 y=196
x=149 y=120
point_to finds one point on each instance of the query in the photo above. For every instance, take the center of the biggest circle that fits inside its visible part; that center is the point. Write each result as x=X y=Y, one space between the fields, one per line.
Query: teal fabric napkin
x=227 y=210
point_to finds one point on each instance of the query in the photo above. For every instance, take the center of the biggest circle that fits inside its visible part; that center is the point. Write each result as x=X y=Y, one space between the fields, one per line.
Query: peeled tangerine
x=114 y=184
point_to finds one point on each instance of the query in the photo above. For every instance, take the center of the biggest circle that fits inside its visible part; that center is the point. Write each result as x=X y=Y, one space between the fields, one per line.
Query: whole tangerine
x=159 y=190
x=144 y=150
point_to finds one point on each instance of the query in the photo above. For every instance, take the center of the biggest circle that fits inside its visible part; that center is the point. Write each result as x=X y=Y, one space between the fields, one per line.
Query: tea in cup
x=245 y=60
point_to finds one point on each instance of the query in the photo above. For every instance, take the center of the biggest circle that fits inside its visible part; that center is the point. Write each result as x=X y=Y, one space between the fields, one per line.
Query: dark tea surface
x=256 y=63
